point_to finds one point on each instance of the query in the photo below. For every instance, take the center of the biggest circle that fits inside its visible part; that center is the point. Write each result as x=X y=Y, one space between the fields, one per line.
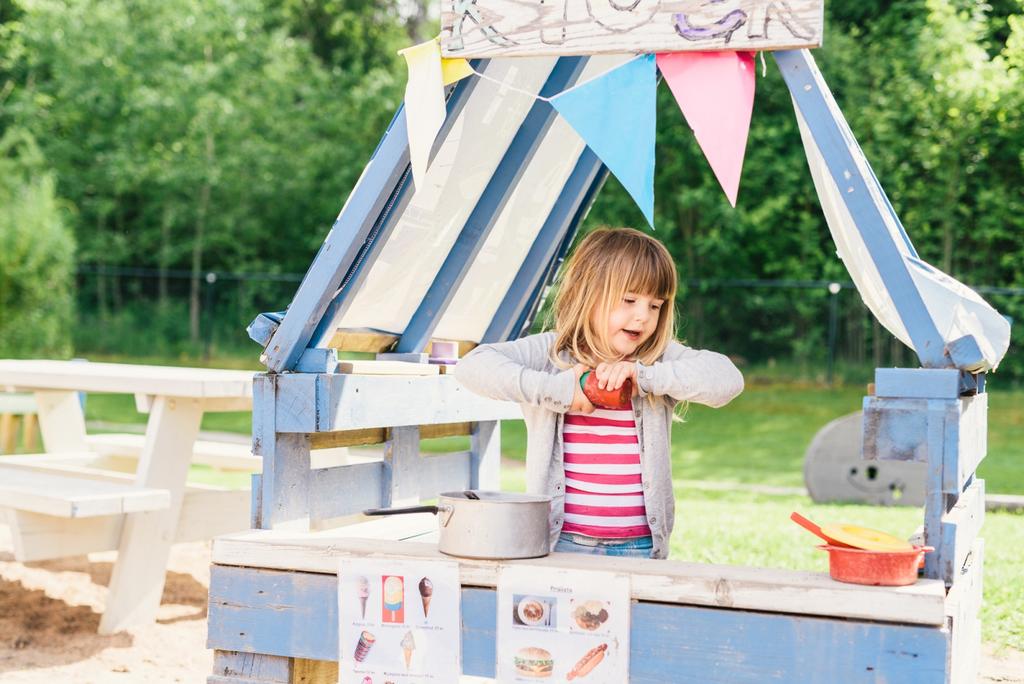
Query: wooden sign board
x=505 y=28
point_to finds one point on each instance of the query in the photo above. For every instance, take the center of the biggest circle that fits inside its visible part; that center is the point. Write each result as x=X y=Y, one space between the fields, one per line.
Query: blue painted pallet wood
x=390 y=215
x=962 y=459
x=959 y=529
x=347 y=489
x=485 y=214
x=284 y=482
x=485 y=455
x=295 y=614
x=326 y=402
x=917 y=383
x=898 y=430
x=863 y=197
x=562 y=221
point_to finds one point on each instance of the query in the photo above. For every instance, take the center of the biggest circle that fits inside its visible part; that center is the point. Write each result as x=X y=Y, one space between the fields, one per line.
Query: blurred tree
x=36 y=255
x=191 y=134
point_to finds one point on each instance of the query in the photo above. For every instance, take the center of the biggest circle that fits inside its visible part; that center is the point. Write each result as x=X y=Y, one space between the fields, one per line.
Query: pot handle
x=399 y=511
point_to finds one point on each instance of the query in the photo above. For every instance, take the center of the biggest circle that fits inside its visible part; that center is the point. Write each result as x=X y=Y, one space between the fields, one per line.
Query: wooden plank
x=125 y=378
x=971 y=444
x=485 y=455
x=771 y=590
x=205 y=513
x=367 y=436
x=61 y=419
x=344 y=490
x=137 y=582
x=493 y=28
x=314 y=671
x=286 y=477
x=960 y=528
x=963 y=605
x=258 y=610
x=376 y=367
x=401 y=475
x=66 y=495
x=346 y=438
x=353 y=340
x=348 y=489
x=376 y=342
x=863 y=198
x=346 y=402
x=234 y=667
x=896 y=429
x=8 y=433
x=918 y=383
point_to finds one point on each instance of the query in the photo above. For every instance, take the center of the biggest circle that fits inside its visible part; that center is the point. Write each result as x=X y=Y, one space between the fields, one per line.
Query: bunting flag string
x=614 y=112
x=715 y=91
x=616 y=116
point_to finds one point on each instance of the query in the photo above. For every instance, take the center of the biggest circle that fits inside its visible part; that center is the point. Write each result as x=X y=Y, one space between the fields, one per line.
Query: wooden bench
x=67 y=495
x=70 y=504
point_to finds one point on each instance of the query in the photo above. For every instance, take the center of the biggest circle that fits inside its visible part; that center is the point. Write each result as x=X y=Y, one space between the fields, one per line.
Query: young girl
x=608 y=472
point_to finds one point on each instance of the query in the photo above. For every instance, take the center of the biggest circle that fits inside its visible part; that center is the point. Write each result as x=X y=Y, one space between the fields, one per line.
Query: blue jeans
x=637 y=547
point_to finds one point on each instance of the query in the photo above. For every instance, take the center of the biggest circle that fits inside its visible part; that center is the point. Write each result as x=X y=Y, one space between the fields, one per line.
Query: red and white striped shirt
x=604 y=495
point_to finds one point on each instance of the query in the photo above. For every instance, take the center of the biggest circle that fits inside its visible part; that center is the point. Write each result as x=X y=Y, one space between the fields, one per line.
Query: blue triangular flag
x=615 y=115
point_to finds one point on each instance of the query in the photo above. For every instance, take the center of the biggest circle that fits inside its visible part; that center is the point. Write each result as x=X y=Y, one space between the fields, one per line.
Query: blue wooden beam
x=526 y=318
x=381 y=179
x=389 y=218
x=562 y=221
x=484 y=215
x=863 y=197
x=295 y=614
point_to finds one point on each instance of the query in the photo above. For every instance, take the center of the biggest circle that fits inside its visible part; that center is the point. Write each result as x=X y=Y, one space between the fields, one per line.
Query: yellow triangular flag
x=456 y=69
x=424 y=103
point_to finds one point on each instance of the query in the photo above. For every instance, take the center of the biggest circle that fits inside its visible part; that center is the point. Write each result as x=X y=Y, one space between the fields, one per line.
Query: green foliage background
x=189 y=136
x=36 y=255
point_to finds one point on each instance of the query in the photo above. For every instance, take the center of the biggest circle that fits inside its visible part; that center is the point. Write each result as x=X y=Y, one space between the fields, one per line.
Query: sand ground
x=49 y=612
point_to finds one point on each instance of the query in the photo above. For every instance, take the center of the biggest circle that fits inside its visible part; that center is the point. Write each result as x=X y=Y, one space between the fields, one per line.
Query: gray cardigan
x=522 y=371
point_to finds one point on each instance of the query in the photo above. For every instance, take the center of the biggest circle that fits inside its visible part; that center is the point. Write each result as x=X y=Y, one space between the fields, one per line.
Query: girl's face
x=632 y=322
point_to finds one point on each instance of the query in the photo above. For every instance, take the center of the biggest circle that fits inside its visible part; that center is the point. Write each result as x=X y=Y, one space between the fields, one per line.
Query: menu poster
x=562 y=626
x=399 y=622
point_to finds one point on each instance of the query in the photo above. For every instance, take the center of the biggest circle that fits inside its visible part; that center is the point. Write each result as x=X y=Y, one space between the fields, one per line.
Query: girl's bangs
x=651 y=276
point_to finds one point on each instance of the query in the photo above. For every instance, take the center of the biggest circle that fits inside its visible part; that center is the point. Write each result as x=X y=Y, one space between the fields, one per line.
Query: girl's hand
x=580 y=403
x=612 y=375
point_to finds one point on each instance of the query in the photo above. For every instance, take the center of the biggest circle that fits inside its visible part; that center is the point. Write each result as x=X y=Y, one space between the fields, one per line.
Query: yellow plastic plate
x=865 y=538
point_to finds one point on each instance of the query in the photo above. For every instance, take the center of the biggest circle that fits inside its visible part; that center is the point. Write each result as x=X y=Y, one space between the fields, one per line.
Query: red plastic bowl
x=880 y=568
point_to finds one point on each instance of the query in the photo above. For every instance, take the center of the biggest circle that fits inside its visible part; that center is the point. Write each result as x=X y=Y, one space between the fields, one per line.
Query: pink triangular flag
x=715 y=91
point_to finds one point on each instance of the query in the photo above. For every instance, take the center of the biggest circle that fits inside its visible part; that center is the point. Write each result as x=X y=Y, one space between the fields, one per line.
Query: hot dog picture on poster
x=554 y=626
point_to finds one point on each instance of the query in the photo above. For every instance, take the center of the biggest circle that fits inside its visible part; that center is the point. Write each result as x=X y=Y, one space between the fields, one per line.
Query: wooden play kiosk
x=468 y=256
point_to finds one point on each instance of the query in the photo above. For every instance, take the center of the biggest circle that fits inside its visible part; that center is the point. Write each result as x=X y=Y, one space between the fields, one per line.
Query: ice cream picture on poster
x=399 y=621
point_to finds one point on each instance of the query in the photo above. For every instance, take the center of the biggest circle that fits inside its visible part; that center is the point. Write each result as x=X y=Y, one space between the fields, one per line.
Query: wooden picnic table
x=175 y=399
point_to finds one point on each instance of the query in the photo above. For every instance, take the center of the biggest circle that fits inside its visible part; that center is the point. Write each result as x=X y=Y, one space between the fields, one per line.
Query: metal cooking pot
x=487 y=525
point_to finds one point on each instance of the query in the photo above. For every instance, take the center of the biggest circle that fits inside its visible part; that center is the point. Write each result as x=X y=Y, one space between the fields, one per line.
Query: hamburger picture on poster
x=556 y=626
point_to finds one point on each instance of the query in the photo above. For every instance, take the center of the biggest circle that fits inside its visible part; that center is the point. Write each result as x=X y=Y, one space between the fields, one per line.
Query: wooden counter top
x=697 y=584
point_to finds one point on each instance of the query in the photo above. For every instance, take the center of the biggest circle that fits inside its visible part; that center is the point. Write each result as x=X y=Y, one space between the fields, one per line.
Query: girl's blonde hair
x=606 y=265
